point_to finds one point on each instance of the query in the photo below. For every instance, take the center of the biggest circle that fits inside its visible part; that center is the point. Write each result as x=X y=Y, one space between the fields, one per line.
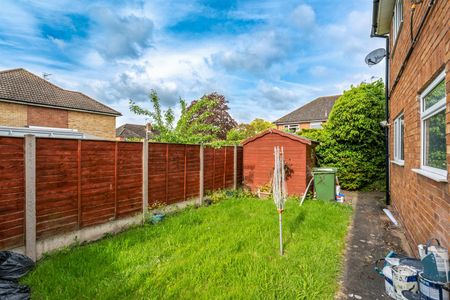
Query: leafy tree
x=353 y=140
x=244 y=131
x=188 y=129
x=218 y=115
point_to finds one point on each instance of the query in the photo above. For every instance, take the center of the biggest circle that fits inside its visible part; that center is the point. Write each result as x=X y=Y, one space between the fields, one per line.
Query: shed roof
x=22 y=86
x=288 y=135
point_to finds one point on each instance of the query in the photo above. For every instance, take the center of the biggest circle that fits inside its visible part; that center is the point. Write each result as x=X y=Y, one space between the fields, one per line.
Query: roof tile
x=22 y=86
x=317 y=110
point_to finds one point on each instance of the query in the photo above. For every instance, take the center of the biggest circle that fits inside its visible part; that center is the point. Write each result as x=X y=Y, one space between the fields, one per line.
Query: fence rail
x=83 y=183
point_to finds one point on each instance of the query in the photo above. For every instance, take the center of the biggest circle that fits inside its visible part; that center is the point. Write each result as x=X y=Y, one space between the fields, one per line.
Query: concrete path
x=372 y=236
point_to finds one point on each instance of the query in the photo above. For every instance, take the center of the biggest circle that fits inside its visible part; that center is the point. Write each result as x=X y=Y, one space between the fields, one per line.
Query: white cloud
x=319 y=71
x=256 y=52
x=303 y=16
x=116 y=36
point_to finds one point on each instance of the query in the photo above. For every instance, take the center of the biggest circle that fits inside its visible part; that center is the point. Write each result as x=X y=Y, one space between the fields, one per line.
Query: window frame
x=424 y=116
x=398 y=137
x=296 y=127
x=315 y=125
x=396 y=21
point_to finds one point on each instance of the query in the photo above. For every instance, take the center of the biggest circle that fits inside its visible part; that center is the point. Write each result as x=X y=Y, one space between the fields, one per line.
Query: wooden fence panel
x=175 y=173
x=97 y=182
x=157 y=166
x=12 y=192
x=219 y=169
x=229 y=167
x=81 y=183
x=209 y=165
x=192 y=171
x=56 y=186
x=129 y=179
x=240 y=166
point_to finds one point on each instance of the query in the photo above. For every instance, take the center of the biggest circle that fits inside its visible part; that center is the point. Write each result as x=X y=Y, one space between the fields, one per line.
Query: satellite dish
x=375 y=56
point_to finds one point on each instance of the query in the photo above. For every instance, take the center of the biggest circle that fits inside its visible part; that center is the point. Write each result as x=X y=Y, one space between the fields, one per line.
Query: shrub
x=353 y=140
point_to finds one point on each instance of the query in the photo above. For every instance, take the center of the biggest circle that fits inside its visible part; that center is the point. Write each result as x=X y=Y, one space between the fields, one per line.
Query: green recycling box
x=325 y=183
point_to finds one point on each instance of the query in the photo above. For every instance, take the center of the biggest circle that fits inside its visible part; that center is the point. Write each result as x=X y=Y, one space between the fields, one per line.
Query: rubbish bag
x=10 y=290
x=14 y=266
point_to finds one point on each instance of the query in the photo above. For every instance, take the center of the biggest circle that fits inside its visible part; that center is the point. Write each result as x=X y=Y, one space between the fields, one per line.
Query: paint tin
x=432 y=290
x=388 y=284
x=441 y=260
x=404 y=278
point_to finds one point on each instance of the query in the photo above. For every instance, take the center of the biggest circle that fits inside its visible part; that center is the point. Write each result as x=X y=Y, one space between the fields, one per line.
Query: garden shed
x=259 y=160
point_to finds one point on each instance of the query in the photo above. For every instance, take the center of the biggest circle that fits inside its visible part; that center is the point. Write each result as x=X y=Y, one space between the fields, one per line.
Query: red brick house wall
x=422 y=204
x=259 y=161
x=47 y=117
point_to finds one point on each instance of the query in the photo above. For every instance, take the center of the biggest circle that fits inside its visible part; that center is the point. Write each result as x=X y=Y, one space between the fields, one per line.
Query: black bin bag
x=10 y=290
x=14 y=266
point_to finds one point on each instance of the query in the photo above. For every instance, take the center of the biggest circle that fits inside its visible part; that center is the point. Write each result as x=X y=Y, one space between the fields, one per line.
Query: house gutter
x=376 y=4
x=413 y=42
x=20 y=102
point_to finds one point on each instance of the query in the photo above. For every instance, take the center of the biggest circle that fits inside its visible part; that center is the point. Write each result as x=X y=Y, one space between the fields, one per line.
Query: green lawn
x=227 y=250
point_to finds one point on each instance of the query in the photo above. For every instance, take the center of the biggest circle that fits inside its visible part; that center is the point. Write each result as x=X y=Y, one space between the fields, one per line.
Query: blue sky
x=266 y=57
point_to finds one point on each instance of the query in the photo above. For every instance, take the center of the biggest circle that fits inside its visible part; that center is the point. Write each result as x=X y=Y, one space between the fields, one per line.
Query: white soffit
x=385 y=13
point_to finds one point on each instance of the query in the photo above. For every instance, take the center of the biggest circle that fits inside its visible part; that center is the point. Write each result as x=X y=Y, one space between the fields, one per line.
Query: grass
x=227 y=250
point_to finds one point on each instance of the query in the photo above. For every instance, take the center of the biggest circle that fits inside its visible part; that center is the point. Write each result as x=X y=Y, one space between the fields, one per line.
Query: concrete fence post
x=144 y=178
x=235 y=168
x=30 y=196
x=201 y=180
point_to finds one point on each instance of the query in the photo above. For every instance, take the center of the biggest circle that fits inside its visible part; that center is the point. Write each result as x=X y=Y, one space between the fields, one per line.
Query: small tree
x=218 y=115
x=353 y=140
x=244 y=131
x=187 y=129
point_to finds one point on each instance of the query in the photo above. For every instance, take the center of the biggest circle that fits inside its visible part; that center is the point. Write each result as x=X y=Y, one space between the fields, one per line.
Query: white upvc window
x=315 y=125
x=398 y=18
x=399 y=139
x=291 y=128
x=432 y=108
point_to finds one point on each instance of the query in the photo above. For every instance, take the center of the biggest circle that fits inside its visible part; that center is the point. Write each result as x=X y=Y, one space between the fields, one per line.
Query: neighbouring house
x=259 y=159
x=130 y=131
x=28 y=101
x=310 y=115
x=127 y=132
x=419 y=121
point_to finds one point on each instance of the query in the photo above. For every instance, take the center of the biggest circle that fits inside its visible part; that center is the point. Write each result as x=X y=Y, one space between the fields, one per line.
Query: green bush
x=352 y=140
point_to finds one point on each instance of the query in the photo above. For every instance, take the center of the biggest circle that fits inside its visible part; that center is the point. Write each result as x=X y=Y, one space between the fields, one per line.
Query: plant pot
x=157 y=218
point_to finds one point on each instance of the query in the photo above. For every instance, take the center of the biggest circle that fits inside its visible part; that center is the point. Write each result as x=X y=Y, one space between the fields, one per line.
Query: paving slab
x=372 y=235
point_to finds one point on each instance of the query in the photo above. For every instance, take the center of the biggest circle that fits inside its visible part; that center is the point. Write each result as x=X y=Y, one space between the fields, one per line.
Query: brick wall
x=421 y=204
x=18 y=115
x=48 y=117
x=95 y=124
x=14 y=115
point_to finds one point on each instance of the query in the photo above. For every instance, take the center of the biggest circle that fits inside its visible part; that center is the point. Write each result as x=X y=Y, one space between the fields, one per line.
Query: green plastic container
x=325 y=183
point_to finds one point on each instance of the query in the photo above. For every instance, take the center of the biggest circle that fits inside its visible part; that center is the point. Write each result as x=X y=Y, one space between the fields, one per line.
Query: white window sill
x=433 y=176
x=398 y=162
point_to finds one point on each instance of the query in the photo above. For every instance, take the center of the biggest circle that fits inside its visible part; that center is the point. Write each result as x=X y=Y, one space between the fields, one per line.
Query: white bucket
x=338 y=189
x=431 y=290
x=388 y=284
x=404 y=278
